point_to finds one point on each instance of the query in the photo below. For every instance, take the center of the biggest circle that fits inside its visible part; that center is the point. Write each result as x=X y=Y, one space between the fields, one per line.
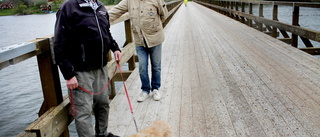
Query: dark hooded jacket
x=82 y=37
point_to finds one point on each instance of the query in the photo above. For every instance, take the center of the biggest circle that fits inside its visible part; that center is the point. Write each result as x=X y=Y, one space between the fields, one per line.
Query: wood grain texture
x=222 y=78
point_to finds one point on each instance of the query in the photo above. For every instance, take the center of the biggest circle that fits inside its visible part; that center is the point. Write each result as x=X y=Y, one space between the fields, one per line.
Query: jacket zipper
x=102 y=42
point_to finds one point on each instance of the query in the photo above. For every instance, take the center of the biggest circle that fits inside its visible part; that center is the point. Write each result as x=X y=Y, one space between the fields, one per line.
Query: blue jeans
x=155 y=57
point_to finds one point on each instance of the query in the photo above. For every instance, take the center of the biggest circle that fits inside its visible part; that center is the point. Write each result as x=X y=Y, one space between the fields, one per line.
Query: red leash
x=73 y=110
x=129 y=102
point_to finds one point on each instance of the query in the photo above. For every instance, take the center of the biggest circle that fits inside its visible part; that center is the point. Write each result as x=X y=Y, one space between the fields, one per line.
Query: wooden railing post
x=129 y=39
x=250 y=12
x=260 y=25
x=274 y=17
x=228 y=6
x=295 y=22
x=128 y=31
x=242 y=10
x=50 y=80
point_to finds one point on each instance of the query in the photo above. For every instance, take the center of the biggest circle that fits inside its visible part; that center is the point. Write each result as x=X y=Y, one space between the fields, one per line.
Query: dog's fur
x=156 y=129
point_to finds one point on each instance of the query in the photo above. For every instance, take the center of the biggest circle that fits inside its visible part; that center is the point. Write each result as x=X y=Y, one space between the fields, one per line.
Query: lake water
x=20 y=87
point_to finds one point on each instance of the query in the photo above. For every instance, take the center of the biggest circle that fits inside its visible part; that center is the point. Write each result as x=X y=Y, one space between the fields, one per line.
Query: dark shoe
x=112 y=135
x=109 y=135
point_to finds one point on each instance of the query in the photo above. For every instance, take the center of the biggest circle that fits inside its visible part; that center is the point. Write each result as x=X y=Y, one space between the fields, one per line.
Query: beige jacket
x=146 y=17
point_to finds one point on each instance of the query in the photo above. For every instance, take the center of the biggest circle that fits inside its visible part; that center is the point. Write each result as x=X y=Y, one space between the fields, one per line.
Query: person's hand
x=72 y=83
x=117 y=55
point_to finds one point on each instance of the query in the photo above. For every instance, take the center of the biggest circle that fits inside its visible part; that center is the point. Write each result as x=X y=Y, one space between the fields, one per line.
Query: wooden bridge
x=219 y=78
x=222 y=78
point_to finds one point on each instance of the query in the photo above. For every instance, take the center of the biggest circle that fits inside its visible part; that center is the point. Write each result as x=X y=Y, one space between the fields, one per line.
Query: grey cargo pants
x=85 y=103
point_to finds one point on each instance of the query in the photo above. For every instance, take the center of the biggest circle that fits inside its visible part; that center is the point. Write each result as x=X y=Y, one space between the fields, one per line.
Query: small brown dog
x=156 y=129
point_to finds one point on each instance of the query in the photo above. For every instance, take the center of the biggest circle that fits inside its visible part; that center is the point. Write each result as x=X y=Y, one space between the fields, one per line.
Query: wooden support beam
x=306 y=42
x=311 y=50
x=286 y=40
x=132 y=63
x=53 y=122
x=125 y=75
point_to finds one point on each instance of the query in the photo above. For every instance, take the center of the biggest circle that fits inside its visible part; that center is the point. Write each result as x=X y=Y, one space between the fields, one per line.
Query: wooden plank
x=27 y=134
x=174 y=117
x=170 y=64
x=237 y=38
x=199 y=119
x=187 y=115
x=263 y=57
x=243 y=84
x=53 y=122
x=233 y=107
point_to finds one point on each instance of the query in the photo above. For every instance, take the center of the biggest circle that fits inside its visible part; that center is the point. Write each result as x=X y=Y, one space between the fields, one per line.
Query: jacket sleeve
x=118 y=10
x=163 y=11
x=114 y=45
x=62 y=31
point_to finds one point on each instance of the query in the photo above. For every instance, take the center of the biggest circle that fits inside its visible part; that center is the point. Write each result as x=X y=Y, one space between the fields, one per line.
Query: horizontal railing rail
x=237 y=10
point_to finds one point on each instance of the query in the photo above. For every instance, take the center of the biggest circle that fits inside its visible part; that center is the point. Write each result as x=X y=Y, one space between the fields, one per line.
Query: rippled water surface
x=20 y=88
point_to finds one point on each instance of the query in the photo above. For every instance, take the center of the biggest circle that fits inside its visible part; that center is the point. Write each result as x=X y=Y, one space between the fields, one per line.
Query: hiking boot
x=156 y=95
x=143 y=96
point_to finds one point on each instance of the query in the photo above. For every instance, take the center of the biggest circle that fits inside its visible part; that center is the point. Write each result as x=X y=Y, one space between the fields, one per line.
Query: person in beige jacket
x=146 y=18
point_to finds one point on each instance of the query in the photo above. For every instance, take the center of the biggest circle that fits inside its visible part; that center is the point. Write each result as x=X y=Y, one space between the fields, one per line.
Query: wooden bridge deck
x=222 y=78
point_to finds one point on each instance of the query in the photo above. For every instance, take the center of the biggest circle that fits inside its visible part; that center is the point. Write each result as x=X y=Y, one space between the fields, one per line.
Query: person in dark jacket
x=81 y=44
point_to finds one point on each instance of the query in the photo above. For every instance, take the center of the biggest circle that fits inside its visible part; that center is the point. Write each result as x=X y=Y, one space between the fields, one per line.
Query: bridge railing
x=54 y=116
x=237 y=10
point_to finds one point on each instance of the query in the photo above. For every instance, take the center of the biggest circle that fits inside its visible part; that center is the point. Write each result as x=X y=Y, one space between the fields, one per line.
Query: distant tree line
x=24 y=7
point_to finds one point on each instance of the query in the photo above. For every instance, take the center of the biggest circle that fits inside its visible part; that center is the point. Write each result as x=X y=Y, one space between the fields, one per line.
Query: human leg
x=143 y=56
x=101 y=101
x=155 y=57
x=83 y=104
